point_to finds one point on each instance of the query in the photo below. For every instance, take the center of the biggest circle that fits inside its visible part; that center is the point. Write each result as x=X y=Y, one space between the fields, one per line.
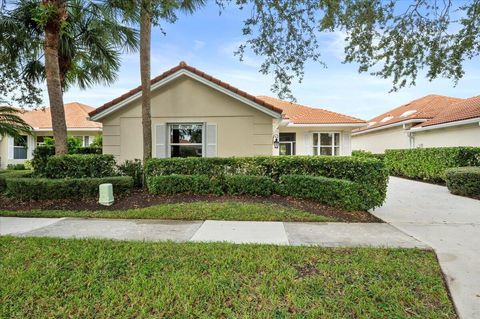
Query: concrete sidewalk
x=240 y=232
x=450 y=225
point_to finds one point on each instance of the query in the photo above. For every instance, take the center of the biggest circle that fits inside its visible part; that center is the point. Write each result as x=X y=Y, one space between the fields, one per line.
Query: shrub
x=40 y=157
x=79 y=166
x=248 y=185
x=335 y=192
x=370 y=174
x=463 y=181
x=193 y=184
x=16 y=167
x=430 y=163
x=133 y=168
x=43 y=188
x=88 y=150
x=367 y=154
x=97 y=141
x=11 y=174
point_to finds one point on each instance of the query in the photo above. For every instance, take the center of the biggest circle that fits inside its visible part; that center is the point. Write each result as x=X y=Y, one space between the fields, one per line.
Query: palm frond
x=11 y=123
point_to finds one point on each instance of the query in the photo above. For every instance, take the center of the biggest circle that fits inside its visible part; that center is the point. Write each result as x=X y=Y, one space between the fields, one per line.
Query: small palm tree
x=11 y=123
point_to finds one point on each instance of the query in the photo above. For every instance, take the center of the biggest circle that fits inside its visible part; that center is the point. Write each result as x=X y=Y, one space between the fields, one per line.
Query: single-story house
x=431 y=121
x=195 y=114
x=18 y=150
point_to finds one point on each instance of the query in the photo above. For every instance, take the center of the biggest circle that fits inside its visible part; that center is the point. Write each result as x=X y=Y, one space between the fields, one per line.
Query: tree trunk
x=52 y=72
x=145 y=39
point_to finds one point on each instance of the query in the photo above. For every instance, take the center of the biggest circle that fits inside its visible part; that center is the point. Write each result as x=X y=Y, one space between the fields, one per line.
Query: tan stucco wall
x=4 y=161
x=379 y=141
x=300 y=132
x=241 y=129
x=464 y=135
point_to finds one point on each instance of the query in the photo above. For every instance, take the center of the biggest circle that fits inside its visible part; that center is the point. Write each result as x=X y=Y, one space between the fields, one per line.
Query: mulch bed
x=141 y=198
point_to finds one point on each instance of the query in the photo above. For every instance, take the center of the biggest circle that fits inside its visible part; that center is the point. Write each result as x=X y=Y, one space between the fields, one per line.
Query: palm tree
x=11 y=123
x=151 y=12
x=66 y=43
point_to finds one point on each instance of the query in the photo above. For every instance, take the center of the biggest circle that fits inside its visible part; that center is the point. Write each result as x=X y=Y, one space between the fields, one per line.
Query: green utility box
x=105 y=194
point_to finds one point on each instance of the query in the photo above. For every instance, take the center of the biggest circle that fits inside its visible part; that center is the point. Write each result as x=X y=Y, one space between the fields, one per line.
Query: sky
x=207 y=41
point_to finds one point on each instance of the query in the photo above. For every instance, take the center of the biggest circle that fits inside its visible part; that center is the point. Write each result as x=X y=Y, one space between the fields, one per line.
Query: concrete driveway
x=450 y=225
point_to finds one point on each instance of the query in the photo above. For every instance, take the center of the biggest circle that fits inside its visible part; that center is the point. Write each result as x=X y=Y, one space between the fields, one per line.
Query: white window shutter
x=211 y=140
x=30 y=146
x=10 y=147
x=308 y=144
x=160 y=140
x=346 y=144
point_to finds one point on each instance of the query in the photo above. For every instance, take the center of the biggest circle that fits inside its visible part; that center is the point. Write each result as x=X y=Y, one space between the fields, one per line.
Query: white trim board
x=172 y=77
x=444 y=125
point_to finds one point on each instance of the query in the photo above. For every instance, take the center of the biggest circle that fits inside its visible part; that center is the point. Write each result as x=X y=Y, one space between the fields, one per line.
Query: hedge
x=11 y=174
x=335 y=192
x=248 y=185
x=463 y=181
x=43 y=152
x=79 y=166
x=367 y=154
x=370 y=174
x=43 y=188
x=193 y=184
x=430 y=163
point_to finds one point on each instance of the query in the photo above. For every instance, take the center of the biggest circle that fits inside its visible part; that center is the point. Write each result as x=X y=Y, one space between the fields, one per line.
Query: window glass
x=186 y=140
x=20 y=147
x=326 y=150
x=326 y=143
x=186 y=133
x=325 y=139
x=315 y=139
x=337 y=138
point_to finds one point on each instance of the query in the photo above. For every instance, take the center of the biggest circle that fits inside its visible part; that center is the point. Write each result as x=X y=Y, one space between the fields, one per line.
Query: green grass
x=190 y=211
x=58 y=278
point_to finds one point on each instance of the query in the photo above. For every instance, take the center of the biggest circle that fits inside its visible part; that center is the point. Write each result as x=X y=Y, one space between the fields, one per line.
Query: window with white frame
x=327 y=143
x=186 y=140
x=20 y=147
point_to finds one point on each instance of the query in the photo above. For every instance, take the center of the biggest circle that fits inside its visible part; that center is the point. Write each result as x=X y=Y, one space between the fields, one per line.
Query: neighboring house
x=18 y=150
x=431 y=121
x=194 y=114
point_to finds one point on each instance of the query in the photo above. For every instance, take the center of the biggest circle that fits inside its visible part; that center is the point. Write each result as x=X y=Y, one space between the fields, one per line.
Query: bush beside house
x=463 y=181
x=430 y=164
x=368 y=175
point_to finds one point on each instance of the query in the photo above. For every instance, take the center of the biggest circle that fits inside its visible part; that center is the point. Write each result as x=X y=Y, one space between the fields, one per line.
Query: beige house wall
x=31 y=141
x=379 y=141
x=303 y=137
x=241 y=129
x=464 y=135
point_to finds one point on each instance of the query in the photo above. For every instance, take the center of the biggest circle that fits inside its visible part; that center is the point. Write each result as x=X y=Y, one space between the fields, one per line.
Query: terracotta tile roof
x=426 y=107
x=463 y=110
x=76 y=116
x=183 y=66
x=301 y=114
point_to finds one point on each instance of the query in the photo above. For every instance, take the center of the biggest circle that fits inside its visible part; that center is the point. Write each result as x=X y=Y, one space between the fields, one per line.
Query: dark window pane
x=20 y=141
x=287 y=137
x=315 y=139
x=337 y=150
x=186 y=133
x=186 y=151
x=325 y=151
x=325 y=138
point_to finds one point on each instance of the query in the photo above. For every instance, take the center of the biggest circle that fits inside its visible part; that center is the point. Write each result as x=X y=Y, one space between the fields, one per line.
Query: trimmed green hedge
x=463 y=181
x=193 y=184
x=79 y=166
x=370 y=174
x=367 y=154
x=43 y=188
x=11 y=174
x=248 y=185
x=335 y=192
x=430 y=163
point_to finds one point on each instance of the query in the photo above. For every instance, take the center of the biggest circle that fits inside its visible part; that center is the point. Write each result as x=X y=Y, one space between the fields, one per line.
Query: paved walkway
x=450 y=225
x=240 y=232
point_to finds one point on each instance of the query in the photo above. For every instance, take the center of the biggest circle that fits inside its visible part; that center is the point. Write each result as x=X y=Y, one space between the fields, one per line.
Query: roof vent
x=371 y=123
x=408 y=113
x=385 y=119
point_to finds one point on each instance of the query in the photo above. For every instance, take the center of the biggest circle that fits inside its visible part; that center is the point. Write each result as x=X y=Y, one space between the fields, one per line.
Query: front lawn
x=191 y=211
x=47 y=278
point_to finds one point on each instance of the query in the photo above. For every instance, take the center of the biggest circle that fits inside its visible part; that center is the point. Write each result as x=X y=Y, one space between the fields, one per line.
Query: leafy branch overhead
x=390 y=39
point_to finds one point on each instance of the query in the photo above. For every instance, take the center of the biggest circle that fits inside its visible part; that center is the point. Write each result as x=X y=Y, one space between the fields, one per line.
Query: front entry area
x=287 y=144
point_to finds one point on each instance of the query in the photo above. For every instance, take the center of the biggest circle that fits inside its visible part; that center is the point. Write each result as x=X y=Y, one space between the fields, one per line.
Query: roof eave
x=444 y=125
x=383 y=127
x=291 y=124
x=136 y=96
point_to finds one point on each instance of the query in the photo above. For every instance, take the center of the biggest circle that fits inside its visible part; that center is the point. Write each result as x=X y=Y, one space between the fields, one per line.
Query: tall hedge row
x=370 y=174
x=430 y=164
